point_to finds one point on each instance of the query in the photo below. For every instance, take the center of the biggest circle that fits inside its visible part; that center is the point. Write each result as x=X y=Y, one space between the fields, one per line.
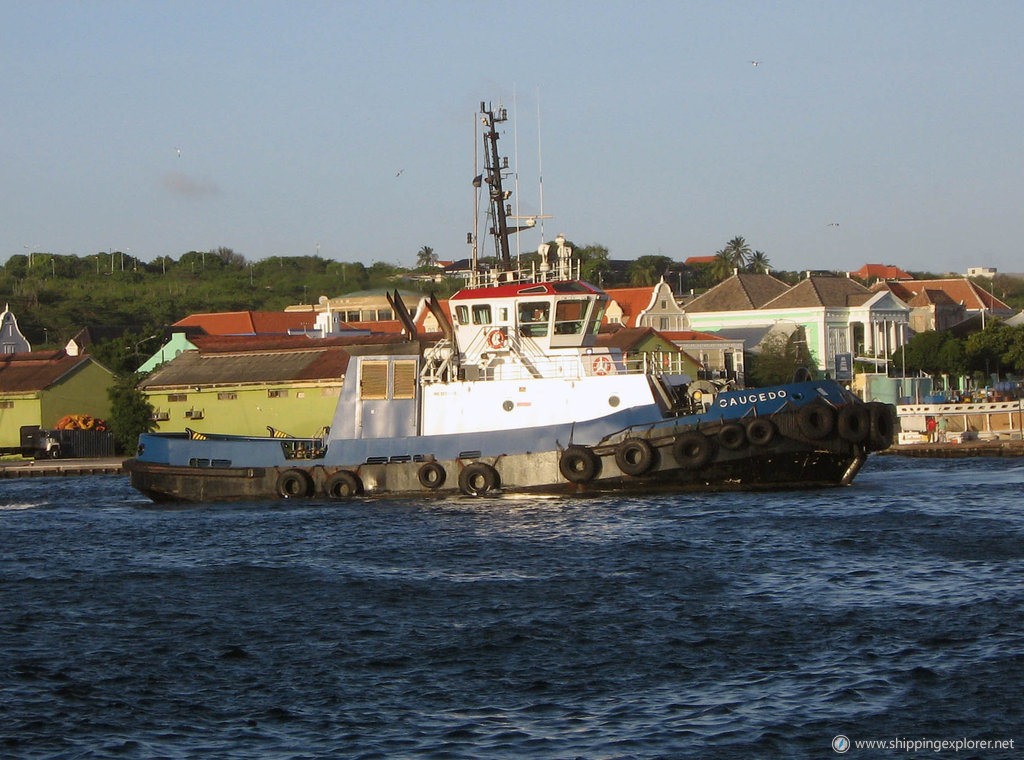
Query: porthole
x=613 y=401
x=508 y=406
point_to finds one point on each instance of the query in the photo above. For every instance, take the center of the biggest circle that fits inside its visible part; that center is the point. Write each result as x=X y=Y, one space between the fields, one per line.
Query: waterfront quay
x=49 y=468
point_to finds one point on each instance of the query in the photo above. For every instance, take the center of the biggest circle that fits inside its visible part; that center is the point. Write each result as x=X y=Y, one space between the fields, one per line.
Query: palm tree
x=723 y=266
x=426 y=257
x=759 y=263
x=738 y=250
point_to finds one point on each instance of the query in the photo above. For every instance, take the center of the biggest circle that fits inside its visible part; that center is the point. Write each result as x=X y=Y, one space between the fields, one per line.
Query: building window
x=177 y=397
x=277 y=394
x=6 y=404
x=227 y=396
x=663 y=323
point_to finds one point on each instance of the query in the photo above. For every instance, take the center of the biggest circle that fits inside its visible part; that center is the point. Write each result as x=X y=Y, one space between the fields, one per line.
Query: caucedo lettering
x=751 y=398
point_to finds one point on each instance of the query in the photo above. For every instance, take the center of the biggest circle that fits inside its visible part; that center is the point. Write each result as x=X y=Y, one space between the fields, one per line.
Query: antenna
x=515 y=159
x=540 y=169
x=473 y=236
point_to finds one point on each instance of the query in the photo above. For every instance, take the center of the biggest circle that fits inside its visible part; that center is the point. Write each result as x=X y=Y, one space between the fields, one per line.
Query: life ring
x=732 y=436
x=602 y=365
x=882 y=428
x=294 y=484
x=431 y=475
x=854 y=423
x=477 y=478
x=761 y=431
x=578 y=464
x=343 y=485
x=816 y=420
x=634 y=456
x=693 y=449
x=496 y=339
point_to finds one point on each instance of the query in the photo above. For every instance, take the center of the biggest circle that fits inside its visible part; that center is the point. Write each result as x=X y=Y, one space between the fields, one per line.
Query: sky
x=867 y=132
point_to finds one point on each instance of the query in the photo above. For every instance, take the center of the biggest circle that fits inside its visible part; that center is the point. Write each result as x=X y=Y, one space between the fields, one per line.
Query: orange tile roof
x=687 y=335
x=881 y=272
x=250 y=322
x=960 y=290
x=632 y=301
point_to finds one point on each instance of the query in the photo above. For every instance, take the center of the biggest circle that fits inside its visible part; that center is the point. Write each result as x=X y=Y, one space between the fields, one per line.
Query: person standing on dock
x=930 y=425
x=943 y=424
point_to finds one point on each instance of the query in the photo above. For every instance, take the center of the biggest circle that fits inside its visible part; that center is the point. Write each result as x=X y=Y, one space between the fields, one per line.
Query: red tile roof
x=687 y=335
x=960 y=290
x=250 y=322
x=881 y=272
x=36 y=371
x=632 y=301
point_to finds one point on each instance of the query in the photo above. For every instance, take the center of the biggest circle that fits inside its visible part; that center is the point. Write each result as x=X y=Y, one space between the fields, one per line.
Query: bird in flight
x=400 y=171
x=179 y=152
x=755 y=63
x=833 y=224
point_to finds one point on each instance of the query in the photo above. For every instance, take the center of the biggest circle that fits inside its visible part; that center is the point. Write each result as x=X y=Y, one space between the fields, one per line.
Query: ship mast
x=493 y=166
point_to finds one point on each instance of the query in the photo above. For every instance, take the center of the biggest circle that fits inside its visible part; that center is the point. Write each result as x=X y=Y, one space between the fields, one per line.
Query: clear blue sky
x=346 y=128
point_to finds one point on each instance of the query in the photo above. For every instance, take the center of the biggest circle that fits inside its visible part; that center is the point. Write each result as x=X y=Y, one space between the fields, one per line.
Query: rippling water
x=725 y=625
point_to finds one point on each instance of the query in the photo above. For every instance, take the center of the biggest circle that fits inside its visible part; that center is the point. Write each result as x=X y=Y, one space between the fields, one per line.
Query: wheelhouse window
x=462 y=315
x=570 y=316
x=533 y=318
x=482 y=314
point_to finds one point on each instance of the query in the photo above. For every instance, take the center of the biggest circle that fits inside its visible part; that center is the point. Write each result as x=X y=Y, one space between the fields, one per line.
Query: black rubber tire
x=343 y=485
x=294 y=484
x=732 y=436
x=761 y=431
x=635 y=456
x=816 y=420
x=478 y=478
x=854 y=424
x=578 y=464
x=882 y=427
x=431 y=475
x=693 y=449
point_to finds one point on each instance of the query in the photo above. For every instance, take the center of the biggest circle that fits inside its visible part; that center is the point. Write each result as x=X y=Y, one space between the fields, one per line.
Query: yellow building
x=245 y=385
x=40 y=387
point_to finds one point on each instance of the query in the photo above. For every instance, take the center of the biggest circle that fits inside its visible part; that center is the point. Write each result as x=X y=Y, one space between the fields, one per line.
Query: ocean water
x=703 y=626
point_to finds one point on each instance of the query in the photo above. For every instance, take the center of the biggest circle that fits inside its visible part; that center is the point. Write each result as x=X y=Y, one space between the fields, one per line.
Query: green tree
x=594 y=265
x=985 y=350
x=739 y=251
x=647 y=270
x=1014 y=355
x=723 y=267
x=131 y=414
x=758 y=262
x=933 y=353
x=780 y=357
x=426 y=257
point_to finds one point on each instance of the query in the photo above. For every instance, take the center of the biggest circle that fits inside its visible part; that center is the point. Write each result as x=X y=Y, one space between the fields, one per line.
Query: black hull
x=781 y=470
x=809 y=447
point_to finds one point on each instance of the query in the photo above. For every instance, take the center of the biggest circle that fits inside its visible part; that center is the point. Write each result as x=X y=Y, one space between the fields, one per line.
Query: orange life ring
x=496 y=339
x=602 y=365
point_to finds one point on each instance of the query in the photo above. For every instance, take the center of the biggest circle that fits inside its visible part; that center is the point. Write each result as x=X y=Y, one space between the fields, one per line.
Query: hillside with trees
x=54 y=296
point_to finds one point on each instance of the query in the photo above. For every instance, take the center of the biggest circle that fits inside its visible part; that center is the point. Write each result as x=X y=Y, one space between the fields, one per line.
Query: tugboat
x=517 y=397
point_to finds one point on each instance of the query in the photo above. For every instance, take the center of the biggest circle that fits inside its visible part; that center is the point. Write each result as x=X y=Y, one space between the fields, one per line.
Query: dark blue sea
x=696 y=626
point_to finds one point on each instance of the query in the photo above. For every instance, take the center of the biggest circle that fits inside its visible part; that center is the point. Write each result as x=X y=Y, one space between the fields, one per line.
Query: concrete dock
x=50 y=468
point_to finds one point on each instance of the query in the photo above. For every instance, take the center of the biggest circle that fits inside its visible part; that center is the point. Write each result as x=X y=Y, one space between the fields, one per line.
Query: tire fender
x=635 y=456
x=578 y=464
x=343 y=485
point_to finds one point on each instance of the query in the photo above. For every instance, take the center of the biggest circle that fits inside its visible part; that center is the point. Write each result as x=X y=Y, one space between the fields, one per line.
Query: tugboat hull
x=763 y=453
